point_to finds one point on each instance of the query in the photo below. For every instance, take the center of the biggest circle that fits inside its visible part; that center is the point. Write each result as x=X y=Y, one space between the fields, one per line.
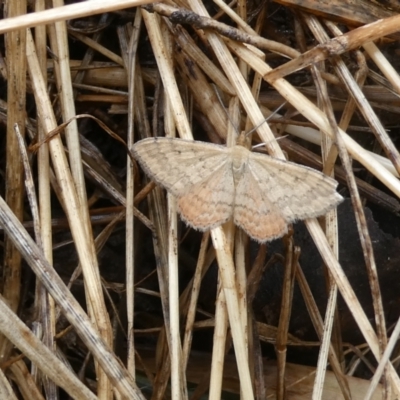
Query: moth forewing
x=177 y=164
x=298 y=192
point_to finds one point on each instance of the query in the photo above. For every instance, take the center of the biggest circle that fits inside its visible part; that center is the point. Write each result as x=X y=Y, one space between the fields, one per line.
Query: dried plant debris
x=257 y=119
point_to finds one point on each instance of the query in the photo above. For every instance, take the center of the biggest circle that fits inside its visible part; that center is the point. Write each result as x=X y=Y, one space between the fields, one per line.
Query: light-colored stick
x=71 y=11
x=383 y=64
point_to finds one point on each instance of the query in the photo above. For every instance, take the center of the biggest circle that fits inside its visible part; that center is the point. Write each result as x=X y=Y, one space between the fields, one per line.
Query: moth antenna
x=241 y=141
x=267 y=119
x=263 y=143
x=226 y=112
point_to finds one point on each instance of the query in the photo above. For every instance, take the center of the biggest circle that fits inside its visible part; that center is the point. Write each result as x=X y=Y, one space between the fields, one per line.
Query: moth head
x=244 y=140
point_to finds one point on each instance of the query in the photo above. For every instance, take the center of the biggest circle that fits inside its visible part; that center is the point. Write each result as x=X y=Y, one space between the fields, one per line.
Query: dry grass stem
x=15 y=42
x=226 y=269
x=130 y=195
x=219 y=338
x=286 y=308
x=325 y=344
x=194 y=289
x=67 y=12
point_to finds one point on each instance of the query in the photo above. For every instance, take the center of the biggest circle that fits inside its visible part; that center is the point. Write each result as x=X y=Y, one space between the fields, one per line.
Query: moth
x=213 y=183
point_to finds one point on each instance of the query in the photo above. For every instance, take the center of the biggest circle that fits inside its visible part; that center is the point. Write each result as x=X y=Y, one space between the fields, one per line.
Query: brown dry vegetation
x=105 y=292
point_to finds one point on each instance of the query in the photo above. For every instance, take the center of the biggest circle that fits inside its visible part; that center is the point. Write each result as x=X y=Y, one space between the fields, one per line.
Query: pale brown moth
x=213 y=183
